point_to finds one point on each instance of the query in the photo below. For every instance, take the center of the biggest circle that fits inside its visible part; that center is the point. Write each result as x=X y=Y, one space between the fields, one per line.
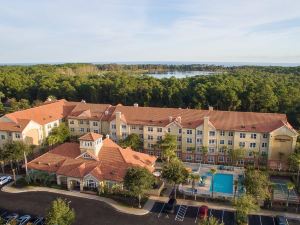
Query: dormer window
x=87 y=156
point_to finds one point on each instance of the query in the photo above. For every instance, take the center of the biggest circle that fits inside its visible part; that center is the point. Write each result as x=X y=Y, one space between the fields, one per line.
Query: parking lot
x=268 y=220
x=188 y=215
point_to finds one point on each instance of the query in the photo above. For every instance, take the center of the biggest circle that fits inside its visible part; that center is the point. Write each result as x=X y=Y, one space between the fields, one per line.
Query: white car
x=5 y=180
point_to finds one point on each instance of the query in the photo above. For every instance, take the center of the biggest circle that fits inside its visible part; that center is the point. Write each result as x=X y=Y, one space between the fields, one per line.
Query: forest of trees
x=247 y=88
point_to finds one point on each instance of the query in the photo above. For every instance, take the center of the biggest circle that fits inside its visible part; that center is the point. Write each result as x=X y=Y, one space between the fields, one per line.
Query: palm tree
x=236 y=183
x=290 y=186
x=204 y=151
x=213 y=171
x=194 y=177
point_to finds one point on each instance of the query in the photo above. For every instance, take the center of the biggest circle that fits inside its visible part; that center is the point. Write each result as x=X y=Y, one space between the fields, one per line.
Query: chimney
x=179 y=119
x=170 y=118
x=107 y=136
x=136 y=105
x=49 y=99
x=118 y=115
x=210 y=108
x=206 y=119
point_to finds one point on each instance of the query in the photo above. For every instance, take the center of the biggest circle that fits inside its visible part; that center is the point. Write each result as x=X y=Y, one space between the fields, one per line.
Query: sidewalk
x=121 y=208
x=219 y=206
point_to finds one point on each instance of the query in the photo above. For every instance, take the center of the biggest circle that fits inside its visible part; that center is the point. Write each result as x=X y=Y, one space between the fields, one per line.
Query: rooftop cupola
x=91 y=142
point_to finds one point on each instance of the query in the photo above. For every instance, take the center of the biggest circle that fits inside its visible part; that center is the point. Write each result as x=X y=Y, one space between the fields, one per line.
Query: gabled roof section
x=90 y=137
x=89 y=111
x=43 y=114
x=18 y=126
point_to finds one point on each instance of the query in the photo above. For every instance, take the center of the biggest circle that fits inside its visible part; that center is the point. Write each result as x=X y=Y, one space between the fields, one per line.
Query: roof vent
x=243 y=126
x=170 y=118
x=136 y=105
x=179 y=119
x=106 y=112
x=107 y=136
x=83 y=101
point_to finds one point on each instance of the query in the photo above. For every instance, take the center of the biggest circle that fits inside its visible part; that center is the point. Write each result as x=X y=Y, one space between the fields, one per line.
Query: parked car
x=22 y=220
x=203 y=212
x=3 y=212
x=170 y=206
x=281 y=220
x=10 y=217
x=5 y=180
x=37 y=220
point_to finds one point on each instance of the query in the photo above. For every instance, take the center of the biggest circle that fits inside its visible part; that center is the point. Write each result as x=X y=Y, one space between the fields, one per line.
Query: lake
x=180 y=74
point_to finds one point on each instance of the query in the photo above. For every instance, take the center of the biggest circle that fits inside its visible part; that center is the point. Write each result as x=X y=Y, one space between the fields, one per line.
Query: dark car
x=3 y=212
x=203 y=212
x=170 y=206
x=281 y=220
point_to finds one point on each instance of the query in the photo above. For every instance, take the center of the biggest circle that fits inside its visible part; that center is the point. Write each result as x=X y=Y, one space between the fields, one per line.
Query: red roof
x=90 y=137
x=112 y=164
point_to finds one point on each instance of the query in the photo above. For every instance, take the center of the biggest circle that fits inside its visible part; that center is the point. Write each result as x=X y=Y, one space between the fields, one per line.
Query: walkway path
x=125 y=209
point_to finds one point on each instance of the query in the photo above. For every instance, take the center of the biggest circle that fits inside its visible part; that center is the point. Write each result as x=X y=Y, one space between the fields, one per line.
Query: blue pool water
x=222 y=183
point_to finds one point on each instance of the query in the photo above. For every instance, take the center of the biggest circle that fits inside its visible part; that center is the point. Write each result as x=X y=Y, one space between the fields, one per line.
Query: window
x=2 y=137
x=242 y=144
x=199 y=132
x=198 y=149
x=252 y=145
x=169 y=130
x=230 y=134
x=189 y=149
x=113 y=126
x=150 y=129
x=211 y=141
x=222 y=142
x=242 y=135
x=199 y=140
x=229 y=142
x=250 y=154
x=253 y=136
x=265 y=135
x=124 y=135
x=198 y=158
x=178 y=147
x=150 y=137
x=123 y=126
x=150 y=146
x=71 y=121
x=189 y=131
x=188 y=158
x=221 y=158
x=179 y=138
x=91 y=184
x=80 y=121
x=222 y=133
x=81 y=130
x=72 y=129
x=113 y=134
x=189 y=140
x=141 y=128
x=264 y=145
x=95 y=124
x=17 y=135
x=179 y=131
x=212 y=133
x=211 y=150
x=159 y=129
x=159 y=138
x=49 y=126
x=96 y=131
x=210 y=159
x=133 y=127
x=55 y=124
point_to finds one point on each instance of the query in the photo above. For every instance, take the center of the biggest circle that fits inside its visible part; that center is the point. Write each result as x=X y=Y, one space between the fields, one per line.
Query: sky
x=47 y=31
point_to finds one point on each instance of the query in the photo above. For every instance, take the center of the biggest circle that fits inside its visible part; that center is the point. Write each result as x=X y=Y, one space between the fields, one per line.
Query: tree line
x=247 y=88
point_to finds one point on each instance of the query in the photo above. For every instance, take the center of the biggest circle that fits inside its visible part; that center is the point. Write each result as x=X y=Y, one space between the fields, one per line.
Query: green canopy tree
x=168 y=145
x=58 y=135
x=175 y=173
x=290 y=187
x=257 y=184
x=294 y=162
x=236 y=155
x=204 y=151
x=210 y=221
x=133 y=141
x=245 y=205
x=60 y=213
x=137 y=180
x=213 y=172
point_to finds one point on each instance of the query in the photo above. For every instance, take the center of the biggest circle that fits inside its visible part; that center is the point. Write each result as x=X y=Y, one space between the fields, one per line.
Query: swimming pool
x=223 y=183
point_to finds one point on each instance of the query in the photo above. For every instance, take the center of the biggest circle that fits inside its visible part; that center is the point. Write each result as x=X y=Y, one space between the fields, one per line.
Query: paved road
x=90 y=212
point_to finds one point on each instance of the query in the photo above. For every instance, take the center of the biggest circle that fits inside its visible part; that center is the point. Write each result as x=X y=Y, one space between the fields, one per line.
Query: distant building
x=266 y=134
x=90 y=163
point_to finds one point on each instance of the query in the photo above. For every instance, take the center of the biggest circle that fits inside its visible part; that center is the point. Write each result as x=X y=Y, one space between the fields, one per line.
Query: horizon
x=260 y=31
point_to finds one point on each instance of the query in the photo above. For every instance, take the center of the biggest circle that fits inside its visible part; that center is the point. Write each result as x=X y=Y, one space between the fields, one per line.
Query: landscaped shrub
x=21 y=182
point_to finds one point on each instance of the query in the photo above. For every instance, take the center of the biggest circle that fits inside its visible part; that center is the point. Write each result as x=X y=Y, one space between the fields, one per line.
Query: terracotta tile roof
x=88 y=110
x=18 y=126
x=90 y=137
x=113 y=161
x=43 y=114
